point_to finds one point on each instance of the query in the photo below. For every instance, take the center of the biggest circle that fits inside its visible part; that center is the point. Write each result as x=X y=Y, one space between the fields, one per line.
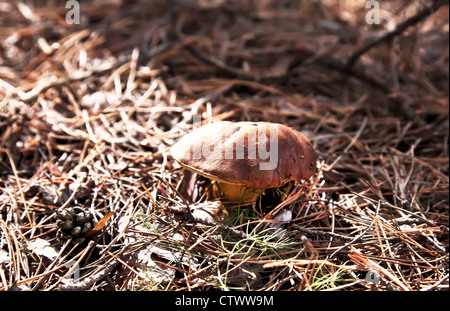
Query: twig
x=324 y=233
x=433 y=287
x=86 y=283
x=225 y=228
x=354 y=240
x=413 y=20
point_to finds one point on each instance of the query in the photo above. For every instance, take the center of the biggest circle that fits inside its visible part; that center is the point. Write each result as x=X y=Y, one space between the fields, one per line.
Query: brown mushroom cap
x=241 y=153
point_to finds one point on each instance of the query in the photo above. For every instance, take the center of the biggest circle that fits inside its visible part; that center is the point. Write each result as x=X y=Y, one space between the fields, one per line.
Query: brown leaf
x=99 y=226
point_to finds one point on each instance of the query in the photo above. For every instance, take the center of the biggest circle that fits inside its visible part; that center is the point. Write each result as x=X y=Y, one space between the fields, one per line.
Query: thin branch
x=413 y=20
x=324 y=233
x=86 y=283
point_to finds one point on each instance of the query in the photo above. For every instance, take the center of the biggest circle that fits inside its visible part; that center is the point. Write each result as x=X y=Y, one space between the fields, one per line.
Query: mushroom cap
x=254 y=154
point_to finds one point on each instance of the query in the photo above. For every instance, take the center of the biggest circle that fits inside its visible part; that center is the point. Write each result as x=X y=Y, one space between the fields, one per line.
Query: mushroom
x=246 y=157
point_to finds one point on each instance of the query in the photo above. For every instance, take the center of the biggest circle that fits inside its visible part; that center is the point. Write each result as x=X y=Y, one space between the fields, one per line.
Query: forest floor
x=89 y=111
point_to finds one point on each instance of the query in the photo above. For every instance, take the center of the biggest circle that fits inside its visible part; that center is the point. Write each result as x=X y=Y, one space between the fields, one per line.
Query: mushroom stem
x=235 y=192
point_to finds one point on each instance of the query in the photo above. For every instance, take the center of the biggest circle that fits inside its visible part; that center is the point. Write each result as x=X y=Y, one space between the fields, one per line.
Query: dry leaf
x=99 y=226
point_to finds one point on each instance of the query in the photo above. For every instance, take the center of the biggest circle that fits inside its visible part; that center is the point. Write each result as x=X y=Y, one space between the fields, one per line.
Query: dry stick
x=225 y=228
x=433 y=287
x=354 y=240
x=85 y=284
x=326 y=234
x=349 y=68
x=413 y=20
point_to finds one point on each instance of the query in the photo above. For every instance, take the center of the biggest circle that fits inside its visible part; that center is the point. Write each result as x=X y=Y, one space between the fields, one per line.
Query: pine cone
x=74 y=222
